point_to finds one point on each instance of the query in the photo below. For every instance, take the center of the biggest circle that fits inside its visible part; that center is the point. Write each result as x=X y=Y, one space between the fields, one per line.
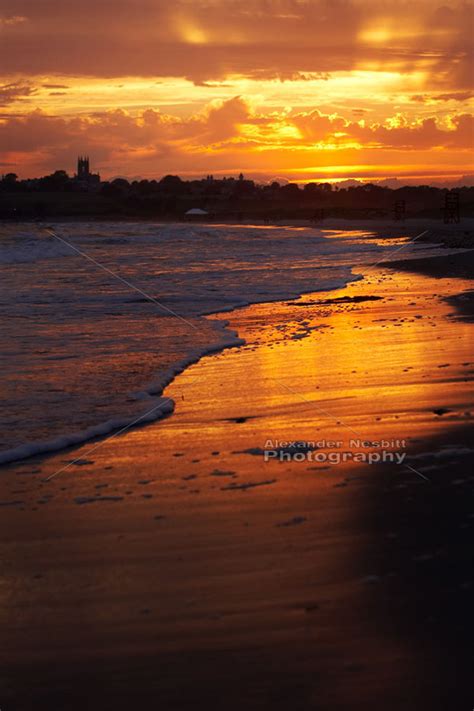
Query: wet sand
x=173 y=567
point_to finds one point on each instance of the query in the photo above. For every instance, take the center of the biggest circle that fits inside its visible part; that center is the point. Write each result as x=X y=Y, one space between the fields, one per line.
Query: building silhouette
x=84 y=178
x=83 y=170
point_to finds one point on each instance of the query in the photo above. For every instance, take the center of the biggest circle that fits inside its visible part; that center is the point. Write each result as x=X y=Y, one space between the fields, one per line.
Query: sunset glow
x=296 y=89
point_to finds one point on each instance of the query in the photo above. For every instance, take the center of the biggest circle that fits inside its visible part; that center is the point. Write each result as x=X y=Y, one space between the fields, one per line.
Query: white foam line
x=121 y=424
x=74 y=438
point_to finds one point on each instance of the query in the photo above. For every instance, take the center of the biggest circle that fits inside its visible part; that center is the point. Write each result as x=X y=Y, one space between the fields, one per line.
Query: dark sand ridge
x=459 y=264
x=142 y=575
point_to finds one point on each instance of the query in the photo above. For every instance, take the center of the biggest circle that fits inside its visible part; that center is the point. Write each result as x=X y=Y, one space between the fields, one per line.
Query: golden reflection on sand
x=378 y=367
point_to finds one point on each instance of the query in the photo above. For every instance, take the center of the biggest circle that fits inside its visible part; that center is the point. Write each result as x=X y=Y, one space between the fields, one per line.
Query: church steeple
x=83 y=170
x=86 y=180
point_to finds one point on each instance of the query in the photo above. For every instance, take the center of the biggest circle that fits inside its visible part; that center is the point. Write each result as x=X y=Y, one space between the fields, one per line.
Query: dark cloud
x=449 y=96
x=14 y=92
x=455 y=96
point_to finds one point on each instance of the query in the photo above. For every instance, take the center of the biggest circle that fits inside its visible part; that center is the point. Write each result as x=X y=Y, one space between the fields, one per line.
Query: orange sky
x=297 y=89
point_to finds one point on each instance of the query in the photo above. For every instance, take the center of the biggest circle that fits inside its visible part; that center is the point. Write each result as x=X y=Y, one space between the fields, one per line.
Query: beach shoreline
x=454 y=264
x=76 y=321
x=171 y=561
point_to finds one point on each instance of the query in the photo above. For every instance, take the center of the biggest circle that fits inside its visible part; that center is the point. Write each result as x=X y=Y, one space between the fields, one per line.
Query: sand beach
x=191 y=563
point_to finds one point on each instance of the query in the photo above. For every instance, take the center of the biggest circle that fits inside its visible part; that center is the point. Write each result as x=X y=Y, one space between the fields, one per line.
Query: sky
x=295 y=90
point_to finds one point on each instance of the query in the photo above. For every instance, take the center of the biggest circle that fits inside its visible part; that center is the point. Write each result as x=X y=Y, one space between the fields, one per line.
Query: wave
x=31 y=449
x=161 y=407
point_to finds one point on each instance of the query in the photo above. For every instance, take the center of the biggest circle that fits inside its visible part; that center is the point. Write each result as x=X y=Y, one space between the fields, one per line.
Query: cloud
x=222 y=120
x=448 y=96
x=397 y=132
x=14 y=92
x=225 y=134
x=210 y=40
x=55 y=86
x=12 y=20
x=300 y=83
x=119 y=133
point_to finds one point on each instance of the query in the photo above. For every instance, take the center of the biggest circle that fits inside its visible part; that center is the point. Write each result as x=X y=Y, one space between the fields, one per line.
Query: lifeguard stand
x=400 y=211
x=451 y=208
